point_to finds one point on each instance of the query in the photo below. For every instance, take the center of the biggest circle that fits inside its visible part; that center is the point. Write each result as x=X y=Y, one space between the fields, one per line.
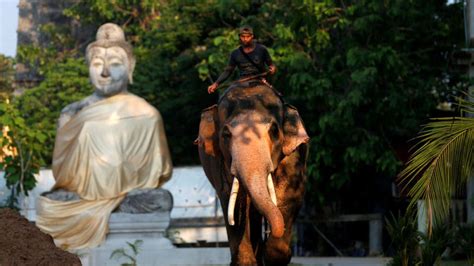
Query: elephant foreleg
x=277 y=250
x=245 y=239
x=289 y=187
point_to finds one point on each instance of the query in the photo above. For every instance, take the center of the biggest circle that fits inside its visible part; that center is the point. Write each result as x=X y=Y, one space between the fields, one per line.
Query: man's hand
x=212 y=88
x=272 y=69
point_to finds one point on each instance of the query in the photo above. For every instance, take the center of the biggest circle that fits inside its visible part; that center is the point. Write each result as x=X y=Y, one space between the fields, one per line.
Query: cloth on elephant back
x=249 y=84
x=107 y=149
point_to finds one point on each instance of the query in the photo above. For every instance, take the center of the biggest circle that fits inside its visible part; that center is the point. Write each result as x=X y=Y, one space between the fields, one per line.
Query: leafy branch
x=22 y=146
x=442 y=163
x=121 y=253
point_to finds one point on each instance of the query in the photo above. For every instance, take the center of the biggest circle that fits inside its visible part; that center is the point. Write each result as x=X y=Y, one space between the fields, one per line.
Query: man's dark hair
x=246 y=30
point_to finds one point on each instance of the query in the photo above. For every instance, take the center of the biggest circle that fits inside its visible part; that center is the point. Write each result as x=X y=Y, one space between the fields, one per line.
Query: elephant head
x=244 y=142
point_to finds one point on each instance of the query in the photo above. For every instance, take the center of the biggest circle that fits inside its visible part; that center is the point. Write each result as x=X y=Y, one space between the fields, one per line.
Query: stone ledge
x=138 y=222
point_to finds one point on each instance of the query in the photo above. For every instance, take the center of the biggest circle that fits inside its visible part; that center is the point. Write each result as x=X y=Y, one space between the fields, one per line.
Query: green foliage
x=31 y=117
x=442 y=163
x=123 y=253
x=378 y=80
x=24 y=144
x=64 y=77
x=64 y=83
x=363 y=74
x=465 y=241
x=432 y=246
x=44 y=59
x=415 y=248
x=404 y=238
x=6 y=76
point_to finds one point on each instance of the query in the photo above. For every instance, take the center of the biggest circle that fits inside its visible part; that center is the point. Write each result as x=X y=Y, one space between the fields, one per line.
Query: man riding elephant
x=251 y=58
x=253 y=148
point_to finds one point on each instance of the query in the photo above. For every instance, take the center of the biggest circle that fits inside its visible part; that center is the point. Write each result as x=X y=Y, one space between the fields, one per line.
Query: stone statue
x=107 y=145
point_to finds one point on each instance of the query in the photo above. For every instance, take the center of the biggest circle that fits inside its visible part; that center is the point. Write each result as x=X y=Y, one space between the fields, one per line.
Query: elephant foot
x=245 y=257
x=277 y=252
x=244 y=262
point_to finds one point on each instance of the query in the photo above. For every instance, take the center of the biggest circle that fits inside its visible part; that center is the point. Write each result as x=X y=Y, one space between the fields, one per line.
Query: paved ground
x=221 y=256
x=340 y=261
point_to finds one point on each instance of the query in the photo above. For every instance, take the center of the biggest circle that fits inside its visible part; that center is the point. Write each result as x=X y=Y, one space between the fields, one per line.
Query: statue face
x=108 y=70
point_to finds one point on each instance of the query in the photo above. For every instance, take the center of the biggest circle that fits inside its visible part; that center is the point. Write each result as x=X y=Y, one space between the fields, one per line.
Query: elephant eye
x=274 y=132
x=226 y=133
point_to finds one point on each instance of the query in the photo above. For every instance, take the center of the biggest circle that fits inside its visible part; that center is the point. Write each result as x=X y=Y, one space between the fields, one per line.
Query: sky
x=8 y=26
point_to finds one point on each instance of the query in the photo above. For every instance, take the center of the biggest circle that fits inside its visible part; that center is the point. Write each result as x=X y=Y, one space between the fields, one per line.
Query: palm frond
x=466 y=104
x=442 y=163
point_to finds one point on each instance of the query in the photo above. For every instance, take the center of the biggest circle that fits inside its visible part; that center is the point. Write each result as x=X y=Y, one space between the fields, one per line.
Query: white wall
x=193 y=195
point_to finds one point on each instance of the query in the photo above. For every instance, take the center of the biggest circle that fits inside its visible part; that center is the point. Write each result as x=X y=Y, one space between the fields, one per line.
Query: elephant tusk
x=233 y=196
x=271 y=189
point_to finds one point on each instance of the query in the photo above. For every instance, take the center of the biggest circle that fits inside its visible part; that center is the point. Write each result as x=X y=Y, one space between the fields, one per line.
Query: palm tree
x=442 y=163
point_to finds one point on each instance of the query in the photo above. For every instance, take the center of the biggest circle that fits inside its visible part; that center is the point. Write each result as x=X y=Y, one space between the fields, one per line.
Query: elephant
x=253 y=148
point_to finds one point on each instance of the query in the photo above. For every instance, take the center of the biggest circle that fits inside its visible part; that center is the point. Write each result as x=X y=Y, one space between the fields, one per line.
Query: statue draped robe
x=107 y=149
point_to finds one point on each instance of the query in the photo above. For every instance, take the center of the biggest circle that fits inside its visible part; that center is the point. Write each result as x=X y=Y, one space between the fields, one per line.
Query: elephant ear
x=207 y=139
x=293 y=130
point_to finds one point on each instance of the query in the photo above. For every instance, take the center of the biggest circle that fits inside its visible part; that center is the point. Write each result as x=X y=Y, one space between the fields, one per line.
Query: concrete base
x=126 y=228
x=341 y=261
x=147 y=253
x=162 y=257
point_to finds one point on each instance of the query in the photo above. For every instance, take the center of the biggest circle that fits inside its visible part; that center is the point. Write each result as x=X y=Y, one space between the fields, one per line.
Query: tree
x=23 y=160
x=363 y=74
x=6 y=77
x=364 y=80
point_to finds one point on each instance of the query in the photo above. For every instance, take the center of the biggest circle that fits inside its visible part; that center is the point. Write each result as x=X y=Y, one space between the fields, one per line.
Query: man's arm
x=225 y=75
x=269 y=61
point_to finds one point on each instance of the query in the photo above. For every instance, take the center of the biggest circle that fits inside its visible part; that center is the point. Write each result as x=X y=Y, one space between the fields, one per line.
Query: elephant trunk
x=257 y=188
x=254 y=174
x=252 y=163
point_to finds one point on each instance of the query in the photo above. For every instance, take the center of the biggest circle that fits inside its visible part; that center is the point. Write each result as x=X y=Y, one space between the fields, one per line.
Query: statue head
x=111 y=61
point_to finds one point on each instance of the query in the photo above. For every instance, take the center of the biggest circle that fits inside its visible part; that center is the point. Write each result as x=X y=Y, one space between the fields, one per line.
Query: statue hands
x=70 y=110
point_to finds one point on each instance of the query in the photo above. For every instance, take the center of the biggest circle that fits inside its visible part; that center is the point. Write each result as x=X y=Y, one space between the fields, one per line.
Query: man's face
x=108 y=70
x=246 y=39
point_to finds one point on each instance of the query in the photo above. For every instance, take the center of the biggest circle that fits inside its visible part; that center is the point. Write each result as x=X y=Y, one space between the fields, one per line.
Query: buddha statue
x=108 y=144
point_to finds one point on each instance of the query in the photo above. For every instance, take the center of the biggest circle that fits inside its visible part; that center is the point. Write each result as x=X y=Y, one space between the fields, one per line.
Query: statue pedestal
x=129 y=227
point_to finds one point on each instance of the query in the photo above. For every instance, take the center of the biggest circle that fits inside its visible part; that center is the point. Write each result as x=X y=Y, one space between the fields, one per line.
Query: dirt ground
x=22 y=243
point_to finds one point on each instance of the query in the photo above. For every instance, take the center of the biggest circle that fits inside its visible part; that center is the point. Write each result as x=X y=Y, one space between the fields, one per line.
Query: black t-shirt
x=259 y=56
